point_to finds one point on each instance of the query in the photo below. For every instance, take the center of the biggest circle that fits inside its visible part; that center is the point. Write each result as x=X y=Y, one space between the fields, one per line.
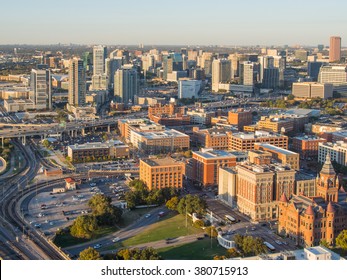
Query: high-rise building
x=99 y=56
x=271 y=78
x=313 y=70
x=41 y=88
x=247 y=73
x=189 y=88
x=77 y=83
x=335 y=49
x=99 y=79
x=112 y=65
x=126 y=85
x=221 y=73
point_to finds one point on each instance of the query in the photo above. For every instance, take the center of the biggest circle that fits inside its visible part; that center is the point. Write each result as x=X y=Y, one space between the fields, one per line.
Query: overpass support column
x=24 y=140
x=83 y=132
x=109 y=128
x=2 y=142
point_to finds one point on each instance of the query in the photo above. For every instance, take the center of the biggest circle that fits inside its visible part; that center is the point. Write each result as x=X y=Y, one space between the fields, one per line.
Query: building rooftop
x=169 y=133
x=214 y=154
x=162 y=162
x=275 y=149
x=98 y=145
x=255 y=135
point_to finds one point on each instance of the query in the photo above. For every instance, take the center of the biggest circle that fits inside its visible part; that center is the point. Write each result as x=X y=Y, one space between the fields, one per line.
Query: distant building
x=162 y=173
x=99 y=79
x=221 y=73
x=309 y=90
x=188 y=88
x=41 y=88
x=126 y=85
x=247 y=73
x=77 y=83
x=200 y=116
x=335 y=49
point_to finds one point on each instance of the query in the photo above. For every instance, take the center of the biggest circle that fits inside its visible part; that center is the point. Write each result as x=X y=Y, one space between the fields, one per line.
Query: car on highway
x=114 y=240
x=147 y=215
x=278 y=242
x=97 y=246
x=38 y=225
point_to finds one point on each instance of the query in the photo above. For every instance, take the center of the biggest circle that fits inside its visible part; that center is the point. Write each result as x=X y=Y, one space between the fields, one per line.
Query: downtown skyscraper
x=335 y=49
x=41 y=88
x=99 y=79
x=77 y=83
x=126 y=85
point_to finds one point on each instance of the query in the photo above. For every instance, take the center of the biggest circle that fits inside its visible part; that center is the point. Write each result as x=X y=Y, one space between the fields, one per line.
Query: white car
x=147 y=215
x=114 y=240
x=278 y=242
x=97 y=246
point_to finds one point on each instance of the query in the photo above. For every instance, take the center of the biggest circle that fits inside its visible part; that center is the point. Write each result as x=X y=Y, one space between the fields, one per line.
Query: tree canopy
x=192 y=204
x=138 y=254
x=89 y=254
x=341 y=240
x=84 y=226
x=104 y=211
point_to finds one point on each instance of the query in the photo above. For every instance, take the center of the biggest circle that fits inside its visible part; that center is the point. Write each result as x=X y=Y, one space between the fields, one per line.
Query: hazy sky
x=200 y=22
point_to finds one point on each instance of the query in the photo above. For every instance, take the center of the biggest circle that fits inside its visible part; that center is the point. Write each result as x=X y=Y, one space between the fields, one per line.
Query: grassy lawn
x=198 y=250
x=66 y=240
x=129 y=217
x=173 y=225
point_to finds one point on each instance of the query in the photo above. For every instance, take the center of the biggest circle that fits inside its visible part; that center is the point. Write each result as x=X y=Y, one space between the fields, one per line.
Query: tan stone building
x=162 y=173
x=283 y=156
x=259 y=188
x=277 y=124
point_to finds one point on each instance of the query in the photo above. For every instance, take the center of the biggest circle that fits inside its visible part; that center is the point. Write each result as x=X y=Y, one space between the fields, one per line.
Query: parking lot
x=49 y=212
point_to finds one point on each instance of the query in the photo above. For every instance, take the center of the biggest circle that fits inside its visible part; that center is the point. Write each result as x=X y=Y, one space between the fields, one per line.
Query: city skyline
x=185 y=23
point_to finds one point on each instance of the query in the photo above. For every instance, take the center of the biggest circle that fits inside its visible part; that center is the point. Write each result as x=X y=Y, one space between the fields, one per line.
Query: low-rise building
x=200 y=116
x=16 y=105
x=309 y=90
x=240 y=118
x=245 y=141
x=97 y=150
x=206 y=163
x=155 y=142
x=337 y=152
x=277 y=124
x=307 y=146
x=305 y=184
x=214 y=138
x=162 y=173
x=283 y=156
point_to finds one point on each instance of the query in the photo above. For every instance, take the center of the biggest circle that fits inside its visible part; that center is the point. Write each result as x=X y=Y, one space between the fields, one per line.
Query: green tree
x=192 y=204
x=84 y=226
x=198 y=224
x=104 y=211
x=211 y=231
x=290 y=97
x=89 y=254
x=341 y=240
x=324 y=243
x=138 y=254
x=232 y=253
x=46 y=143
x=172 y=203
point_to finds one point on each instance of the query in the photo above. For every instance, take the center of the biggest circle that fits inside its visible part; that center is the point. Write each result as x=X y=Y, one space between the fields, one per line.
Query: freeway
x=20 y=130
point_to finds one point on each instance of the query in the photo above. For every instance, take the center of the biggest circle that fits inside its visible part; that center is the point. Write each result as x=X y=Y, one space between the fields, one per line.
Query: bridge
x=28 y=130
